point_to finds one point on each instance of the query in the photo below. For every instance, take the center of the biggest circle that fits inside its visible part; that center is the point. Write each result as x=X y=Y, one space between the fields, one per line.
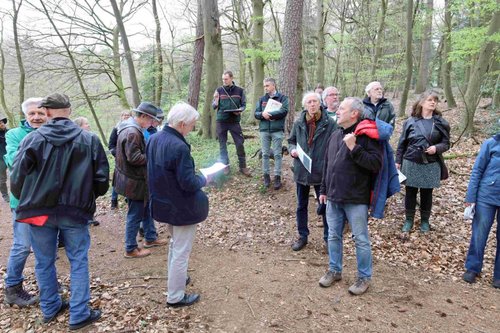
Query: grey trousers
x=179 y=250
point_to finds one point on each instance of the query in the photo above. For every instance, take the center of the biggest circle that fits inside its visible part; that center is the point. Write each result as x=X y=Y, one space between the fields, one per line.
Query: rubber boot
x=408 y=225
x=267 y=180
x=277 y=182
x=424 y=223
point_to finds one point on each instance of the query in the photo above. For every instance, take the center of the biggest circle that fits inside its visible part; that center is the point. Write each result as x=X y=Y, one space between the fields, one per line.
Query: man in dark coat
x=3 y=166
x=376 y=105
x=176 y=196
x=351 y=163
x=129 y=180
x=58 y=172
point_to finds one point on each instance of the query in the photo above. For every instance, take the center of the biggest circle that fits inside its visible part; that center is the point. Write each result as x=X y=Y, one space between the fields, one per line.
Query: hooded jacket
x=129 y=178
x=59 y=169
x=384 y=110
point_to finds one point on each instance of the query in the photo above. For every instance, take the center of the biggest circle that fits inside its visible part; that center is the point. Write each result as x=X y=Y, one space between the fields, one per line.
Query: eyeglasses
x=332 y=94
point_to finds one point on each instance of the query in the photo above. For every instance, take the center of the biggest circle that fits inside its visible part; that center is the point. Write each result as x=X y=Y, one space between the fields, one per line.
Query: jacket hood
x=59 y=131
x=368 y=101
x=130 y=122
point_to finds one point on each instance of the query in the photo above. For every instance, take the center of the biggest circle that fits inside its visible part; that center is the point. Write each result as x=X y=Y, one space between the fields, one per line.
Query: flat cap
x=55 y=101
x=3 y=119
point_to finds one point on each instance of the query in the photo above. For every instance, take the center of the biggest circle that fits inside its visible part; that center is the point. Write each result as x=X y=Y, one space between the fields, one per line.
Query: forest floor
x=251 y=281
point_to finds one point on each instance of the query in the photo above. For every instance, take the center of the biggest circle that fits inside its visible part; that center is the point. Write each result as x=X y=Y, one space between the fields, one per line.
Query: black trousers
x=411 y=199
x=237 y=134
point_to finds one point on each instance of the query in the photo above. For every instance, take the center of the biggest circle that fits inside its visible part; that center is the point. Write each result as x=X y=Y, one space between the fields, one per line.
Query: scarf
x=311 y=126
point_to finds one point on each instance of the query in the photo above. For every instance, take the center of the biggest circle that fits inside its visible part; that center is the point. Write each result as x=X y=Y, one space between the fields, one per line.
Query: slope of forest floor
x=251 y=281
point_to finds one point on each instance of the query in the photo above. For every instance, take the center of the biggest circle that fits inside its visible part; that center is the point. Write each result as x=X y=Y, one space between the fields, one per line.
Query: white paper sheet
x=304 y=158
x=401 y=177
x=218 y=166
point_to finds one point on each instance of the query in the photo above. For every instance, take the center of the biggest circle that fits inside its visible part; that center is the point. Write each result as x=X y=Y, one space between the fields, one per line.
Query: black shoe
x=277 y=182
x=496 y=283
x=94 y=223
x=267 y=180
x=141 y=232
x=114 y=204
x=94 y=316
x=469 y=276
x=188 y=300
x=64 y=306
x=299 y=244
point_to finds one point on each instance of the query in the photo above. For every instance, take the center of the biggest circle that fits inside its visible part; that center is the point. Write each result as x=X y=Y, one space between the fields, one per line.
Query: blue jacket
x=484 y=184
x=175 y=193
x=387 y=182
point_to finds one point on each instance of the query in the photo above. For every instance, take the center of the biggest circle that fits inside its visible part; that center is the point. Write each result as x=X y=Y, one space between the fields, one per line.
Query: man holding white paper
x=271 y=111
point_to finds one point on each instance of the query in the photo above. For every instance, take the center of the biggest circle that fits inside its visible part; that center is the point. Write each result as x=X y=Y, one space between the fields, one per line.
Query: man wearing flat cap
x=3 y=166
x=58 y=172
x=129 y=179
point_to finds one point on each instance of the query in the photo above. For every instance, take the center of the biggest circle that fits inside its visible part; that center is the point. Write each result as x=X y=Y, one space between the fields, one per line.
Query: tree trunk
x=197 y=65
x=425 y=51
x=213 y=58
x=136 y=97
x=10 y=115
x=276 y=24
x=22 y=72
x=290 y=53
x=158 y=67
x=446 y=51
x=76 y=71
x=117 y=70
x=320 y=42
x=379 y=38
x=409 y=59
x=477 y=75
x=257 y=40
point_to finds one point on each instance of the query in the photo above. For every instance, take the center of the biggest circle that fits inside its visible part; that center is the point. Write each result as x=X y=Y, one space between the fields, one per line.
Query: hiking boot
x=16 y=295
x=187 y=300
x=94 y=316
x=155 y=243
x=469 y=276
x=267 y=180
x=64 y=306
x=299 y=244
x=424 y=223
x=137 y=253
x=410 y=216
x=114 y=204
x=329 y=278
x=360 y=286
x=277 y=182
x=246 y=172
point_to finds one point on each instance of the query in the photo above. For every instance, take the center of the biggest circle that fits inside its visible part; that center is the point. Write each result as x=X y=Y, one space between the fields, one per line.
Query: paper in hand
x=217 y=167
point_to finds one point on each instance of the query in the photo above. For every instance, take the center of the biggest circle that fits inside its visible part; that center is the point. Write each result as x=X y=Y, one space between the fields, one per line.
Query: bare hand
x=350 y=141
x=431 y=150
x=293 y=153
x=322 y=199
x=237 y=113
x=467 y=204
x=398 y=166
x=266 y=115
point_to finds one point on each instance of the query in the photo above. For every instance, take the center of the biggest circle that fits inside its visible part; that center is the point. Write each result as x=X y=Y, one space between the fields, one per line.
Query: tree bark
x=409 y=59
x=446 y=76
x=320 y=42
x=213 y=58
x=477 y=75
x=197 y=65
x=136 y=97
x=10 y=115
x=117 y=70
x=379 y=38
x=158 y=66
x=257 y=40
x=425 y=52
x=290 y=54
x=20 y=63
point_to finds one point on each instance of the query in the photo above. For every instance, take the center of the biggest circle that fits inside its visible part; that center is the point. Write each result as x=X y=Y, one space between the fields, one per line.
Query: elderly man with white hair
x=331 y=101
x=310 y=131
x=176 y=196
x=376 y=105
x=21 y=243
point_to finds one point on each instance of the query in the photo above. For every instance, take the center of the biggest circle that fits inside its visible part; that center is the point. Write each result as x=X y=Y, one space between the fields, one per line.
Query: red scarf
x=311 y=125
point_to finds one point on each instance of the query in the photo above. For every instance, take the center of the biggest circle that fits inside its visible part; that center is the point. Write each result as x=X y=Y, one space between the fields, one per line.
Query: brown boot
x=137 y=253
x=277 y=182
x=246 y=172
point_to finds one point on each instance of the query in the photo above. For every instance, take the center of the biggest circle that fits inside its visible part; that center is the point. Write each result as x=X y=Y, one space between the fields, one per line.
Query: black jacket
x=59 y=169
x=3 y=145
x=113 y=139
x=348 y=176
x=413 y=141
x=384 y=110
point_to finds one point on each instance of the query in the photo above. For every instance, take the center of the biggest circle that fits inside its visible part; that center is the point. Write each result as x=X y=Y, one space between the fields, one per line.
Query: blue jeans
x=77 y=244
x=114 y=194
x=357 y=216
x=272 y=140
x=302 y=214
x=481 y=226
x=138 y=211
x=19 y=252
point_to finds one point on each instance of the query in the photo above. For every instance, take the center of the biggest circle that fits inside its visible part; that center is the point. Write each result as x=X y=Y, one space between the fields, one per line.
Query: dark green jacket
x=277 y=121
x=316 y=152
x=234 y=94
x=383 y=111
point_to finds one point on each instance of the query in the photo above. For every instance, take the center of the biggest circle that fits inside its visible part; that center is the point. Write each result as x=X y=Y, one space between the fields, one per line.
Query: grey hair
x=309 y=94
x=356 y=104
x=270 y=80
x=370 y=86
x=125 y=113
x=182 y=112
x=80 y=120
x=326 y=90
x=29 y=102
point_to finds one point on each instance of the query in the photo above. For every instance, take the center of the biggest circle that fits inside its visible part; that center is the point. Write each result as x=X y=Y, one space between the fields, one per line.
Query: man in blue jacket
x=271 y=127
x=58 y=172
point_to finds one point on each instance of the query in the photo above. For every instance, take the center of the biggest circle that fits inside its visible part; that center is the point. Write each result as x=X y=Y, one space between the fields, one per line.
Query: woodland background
x=108 y=55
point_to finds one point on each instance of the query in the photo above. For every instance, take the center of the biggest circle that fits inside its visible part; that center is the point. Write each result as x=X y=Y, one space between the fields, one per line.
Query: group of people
x=58 y=168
